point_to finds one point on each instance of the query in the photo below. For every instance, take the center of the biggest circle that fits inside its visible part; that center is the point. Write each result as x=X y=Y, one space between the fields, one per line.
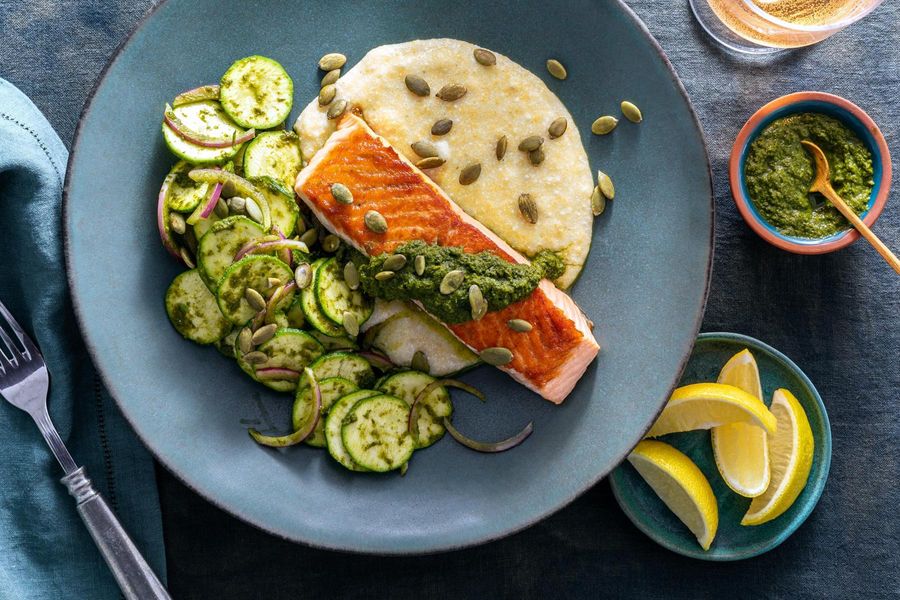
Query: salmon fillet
x=549 y=359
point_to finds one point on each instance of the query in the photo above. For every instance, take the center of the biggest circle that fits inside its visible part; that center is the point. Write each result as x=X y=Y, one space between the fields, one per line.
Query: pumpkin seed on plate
x=245 y=340
x=253 y=210
x=501 y=147
x=557 y=69
x=451 y=281
x=330 y=78
x=470 y=174
x=331 y=243
x=441 y=127
x=303 y=274
x=341 y=193
x=221 y=208
x=395 y=262
x=264 y=334
x=631 y=112
x=417 y=85
x=557 y=127
x=375 y=221
x=254 y=299
x=419 y=264
x=497 y=356
x=177 y=223
x=424 y=149
x=332 y=61
x=419 y=362
x=310 y=236
x=326 y=94
x=236 y=205
x=519 y=325
x=336 y=109
x=431 y=162
x=187 y=258
x=273 y=282
x=598 y=202
x=531 y=143
x=605 y=185
x=604 y=125
x=351 y=276
x=528 y=208
x=256 y=357
x=452 y=92
x=484 y=57
x=350 y=323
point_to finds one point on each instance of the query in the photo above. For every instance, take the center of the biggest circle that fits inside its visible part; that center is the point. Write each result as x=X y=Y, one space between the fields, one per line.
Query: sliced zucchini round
x=256 y=92
x=204 y=225
x=218 y=246
x=335 y=297
x=274 y=154
x=335 y=343
x=431 y=410
x=184 y=194
x=209 y=118
x=289 y=349
x=193 y=310
x=225 y=346
x=282 y=205
x=314 y=315
x=375 y=433
x=253 y=271
x=344 y=364
x=332 y=388
x=335 y=421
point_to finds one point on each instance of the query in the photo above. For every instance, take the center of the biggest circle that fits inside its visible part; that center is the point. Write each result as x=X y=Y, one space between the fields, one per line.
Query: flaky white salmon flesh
x=549 y=359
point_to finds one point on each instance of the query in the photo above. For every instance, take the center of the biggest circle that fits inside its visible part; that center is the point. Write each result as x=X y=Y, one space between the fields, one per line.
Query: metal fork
x=24 y=382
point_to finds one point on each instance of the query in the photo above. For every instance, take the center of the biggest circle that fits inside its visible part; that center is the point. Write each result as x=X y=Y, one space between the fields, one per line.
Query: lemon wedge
x=740 y=449
x=708 y=405
x=680 y=485
x=790 y=455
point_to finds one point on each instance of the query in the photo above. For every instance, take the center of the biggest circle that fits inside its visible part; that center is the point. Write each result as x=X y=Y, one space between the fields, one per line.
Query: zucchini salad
x=270 y=287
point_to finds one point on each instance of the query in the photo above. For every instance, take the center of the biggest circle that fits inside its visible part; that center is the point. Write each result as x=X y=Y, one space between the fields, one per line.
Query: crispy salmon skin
x=549 y=359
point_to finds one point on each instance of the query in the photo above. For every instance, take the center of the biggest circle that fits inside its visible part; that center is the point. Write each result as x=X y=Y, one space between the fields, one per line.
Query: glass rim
x=845 y=22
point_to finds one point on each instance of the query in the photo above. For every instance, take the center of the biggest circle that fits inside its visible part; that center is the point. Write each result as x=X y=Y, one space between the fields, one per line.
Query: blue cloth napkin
x=45 y=551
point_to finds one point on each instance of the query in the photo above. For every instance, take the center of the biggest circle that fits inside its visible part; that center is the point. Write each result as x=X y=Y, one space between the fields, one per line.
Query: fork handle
x=134 y=576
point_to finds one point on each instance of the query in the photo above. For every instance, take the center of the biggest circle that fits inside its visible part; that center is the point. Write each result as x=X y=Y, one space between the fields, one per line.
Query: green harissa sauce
x=778 y=172
x=501 y=282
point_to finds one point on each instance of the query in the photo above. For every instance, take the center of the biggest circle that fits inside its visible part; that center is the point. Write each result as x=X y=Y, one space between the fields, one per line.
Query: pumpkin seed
x=417 y=85
x=419 y=362
x=237 y=205
x=326 y=94
x=598 y=202
x=470 y=174
x=336 y=109
x=501 y=147
x=441 y=127
x=604 y=125
x=351 y=276
x=331 y=243
x=245 y=340
x=254 y=299
x=273 y=282
x=221 y=208
x=252 y=209
x=419 y=264
x=605 y=184
x=395 y=262
x=477 y=303
x=531 y=143
x=557 y=127
x=187 y=258
x=452 y=92
x=341 y=193
x=256 y=358
x=451 y=281
x=431 y=162
x=536 y=156
x=375 y=221
x=528 y=208
x=384 y=275
x=303 y=275
x=424 y=149
x=331 y=77
x=177 y=223
x=264 y=334
x=332 y=61
x=497 y=356
x=484 y=57
x=310 y=236
x=557 y=69
x=350 y=323
x=631 y=112
x=519 y=325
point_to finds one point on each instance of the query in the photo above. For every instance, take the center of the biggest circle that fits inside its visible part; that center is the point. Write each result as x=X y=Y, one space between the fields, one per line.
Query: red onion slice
x=259 y=246
x=183 y=131
x=213 y=200
x=377 y=360
x=413 y=424
x=241 y=187
x=277 y=374
x=292 y=439
x=287 y=257
x=490 y=447
x=204 y=92
x=161 y=215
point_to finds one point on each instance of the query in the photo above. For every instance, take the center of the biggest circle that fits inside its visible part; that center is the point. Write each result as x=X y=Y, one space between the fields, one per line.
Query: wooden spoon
x=822 y=184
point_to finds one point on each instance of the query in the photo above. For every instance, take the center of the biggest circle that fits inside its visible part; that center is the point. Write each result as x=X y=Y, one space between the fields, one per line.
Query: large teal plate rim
x=789 y=522
x=324 y=541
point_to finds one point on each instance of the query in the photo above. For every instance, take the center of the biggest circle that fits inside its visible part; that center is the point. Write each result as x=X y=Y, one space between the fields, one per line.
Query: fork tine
x=29 y=347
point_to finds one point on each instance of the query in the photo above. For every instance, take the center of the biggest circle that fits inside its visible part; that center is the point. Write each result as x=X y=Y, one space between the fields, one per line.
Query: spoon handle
x=862 y=228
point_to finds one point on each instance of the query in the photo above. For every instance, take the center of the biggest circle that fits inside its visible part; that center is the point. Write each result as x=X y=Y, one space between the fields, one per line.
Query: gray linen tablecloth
x=837 y=316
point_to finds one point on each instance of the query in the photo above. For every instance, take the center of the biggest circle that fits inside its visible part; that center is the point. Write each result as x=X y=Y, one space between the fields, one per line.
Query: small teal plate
x=733 y=541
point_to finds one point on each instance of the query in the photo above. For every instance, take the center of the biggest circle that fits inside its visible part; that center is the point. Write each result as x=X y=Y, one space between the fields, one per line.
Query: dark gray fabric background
x=836 y=316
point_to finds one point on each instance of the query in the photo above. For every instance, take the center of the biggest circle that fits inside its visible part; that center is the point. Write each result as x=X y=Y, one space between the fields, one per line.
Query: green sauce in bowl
x=778 y=172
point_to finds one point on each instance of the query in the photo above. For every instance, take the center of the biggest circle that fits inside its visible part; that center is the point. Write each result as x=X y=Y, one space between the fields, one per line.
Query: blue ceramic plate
x=644 y=283
x=733 y=541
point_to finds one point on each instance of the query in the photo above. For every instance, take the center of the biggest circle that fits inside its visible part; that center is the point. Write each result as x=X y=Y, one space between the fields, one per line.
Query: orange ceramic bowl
x=834 y=106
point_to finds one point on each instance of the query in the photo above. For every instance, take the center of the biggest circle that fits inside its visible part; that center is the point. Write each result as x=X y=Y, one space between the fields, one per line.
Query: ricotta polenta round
x=504 y=99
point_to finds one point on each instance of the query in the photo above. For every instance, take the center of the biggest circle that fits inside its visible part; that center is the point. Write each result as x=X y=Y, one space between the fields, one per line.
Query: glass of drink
x=766 y=26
